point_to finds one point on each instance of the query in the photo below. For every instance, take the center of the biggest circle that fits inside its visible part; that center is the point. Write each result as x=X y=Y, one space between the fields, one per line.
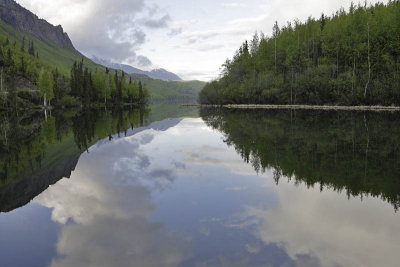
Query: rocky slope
x=24 y=20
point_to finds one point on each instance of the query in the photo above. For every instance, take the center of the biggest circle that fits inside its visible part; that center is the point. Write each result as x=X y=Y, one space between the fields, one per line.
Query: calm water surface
x=173 y=186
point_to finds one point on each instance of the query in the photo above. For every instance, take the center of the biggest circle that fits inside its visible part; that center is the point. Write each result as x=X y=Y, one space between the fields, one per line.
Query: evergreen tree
x=9 y=61
x=141 y=93
x=32 y=49
x=23 y=45
x=23 y=66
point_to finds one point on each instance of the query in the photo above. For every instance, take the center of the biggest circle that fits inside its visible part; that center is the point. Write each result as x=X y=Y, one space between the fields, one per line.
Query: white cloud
x=108 y=29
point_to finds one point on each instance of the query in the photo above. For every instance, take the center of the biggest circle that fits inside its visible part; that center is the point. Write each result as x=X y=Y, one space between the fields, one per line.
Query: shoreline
x=297 y=107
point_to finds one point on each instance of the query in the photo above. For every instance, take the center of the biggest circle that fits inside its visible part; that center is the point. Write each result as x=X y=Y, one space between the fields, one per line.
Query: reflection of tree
x=35 y=152
x=83 y=127
x=24 y=140
x=359 y=153
x=18 y=143
x=91 y=126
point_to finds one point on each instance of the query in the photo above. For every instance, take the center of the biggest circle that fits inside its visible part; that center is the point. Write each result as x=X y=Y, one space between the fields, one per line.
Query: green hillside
x=52 y=56
x=186 y=91
x=58 y=57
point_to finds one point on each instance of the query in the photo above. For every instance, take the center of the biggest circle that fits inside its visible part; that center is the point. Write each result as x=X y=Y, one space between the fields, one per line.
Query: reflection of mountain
x=355 y=152
x=21 y=193
x=51 y=152
x=157 y=126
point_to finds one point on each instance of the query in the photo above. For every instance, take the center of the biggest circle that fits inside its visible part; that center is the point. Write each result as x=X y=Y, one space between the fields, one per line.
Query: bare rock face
x=24 y=20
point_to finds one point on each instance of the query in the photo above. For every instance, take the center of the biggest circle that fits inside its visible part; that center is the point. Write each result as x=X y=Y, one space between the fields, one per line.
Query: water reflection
x=105 y=209
x=37 y=151
x=212 y=191
x=355 y=152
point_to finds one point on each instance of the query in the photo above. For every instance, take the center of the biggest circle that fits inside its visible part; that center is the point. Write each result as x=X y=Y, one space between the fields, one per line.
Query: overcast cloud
x=191 y=38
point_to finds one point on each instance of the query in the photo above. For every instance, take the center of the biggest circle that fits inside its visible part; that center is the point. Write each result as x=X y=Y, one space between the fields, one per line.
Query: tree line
x=349 y=58
x=26 y=80
x=105 y=87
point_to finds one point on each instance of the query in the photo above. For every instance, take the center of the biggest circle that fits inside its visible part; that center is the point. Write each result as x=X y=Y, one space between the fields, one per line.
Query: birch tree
x=46 y=87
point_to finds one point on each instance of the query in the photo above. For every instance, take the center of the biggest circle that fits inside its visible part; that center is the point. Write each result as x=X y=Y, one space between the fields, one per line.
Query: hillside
x=23 y=20
x=50 y=52
x=54 y=50
x=175 y=91
x=350 y=58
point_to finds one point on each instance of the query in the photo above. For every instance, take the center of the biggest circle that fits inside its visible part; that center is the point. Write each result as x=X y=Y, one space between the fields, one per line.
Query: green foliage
x=46 y=86
x=351 y=58
x=101 y=87
x=69 y=101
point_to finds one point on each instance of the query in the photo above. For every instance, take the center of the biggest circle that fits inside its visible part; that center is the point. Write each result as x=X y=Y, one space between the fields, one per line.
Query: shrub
x=70 y=101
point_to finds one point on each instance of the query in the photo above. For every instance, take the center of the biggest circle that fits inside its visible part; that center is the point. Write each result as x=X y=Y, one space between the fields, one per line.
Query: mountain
x=23 y=20
x=160 y=74
x=56 y=50
x=163 y=74
x=53 y=45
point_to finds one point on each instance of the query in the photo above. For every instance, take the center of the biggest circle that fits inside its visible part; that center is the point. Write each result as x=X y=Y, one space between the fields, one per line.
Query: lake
x=167 y=185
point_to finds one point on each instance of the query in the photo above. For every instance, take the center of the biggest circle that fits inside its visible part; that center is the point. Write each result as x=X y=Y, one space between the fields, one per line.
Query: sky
x=191 y=38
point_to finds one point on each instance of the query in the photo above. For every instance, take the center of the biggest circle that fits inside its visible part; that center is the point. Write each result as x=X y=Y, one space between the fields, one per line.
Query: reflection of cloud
x=253 y=248
x=179 y=165
x=235 y=188
x=218 y=157
x=338 y=231
x=146 y=138
x=114 y=242
x=108 y=199
x=161 y=173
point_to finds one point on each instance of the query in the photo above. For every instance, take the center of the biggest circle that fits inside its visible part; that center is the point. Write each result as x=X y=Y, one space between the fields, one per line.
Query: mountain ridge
x=24 y=20
x=160 y=73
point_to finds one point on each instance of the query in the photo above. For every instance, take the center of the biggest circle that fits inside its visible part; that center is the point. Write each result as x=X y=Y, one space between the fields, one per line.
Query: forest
x=348 y=58
x=44 y=85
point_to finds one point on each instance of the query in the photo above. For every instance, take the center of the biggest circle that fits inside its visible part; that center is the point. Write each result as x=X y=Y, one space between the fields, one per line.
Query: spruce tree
x=31 y=49
x=141 y=94
x=23 y=66
x=23 y=45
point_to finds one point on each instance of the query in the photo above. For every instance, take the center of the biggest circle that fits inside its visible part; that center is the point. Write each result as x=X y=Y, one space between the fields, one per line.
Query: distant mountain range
x=160 y=74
